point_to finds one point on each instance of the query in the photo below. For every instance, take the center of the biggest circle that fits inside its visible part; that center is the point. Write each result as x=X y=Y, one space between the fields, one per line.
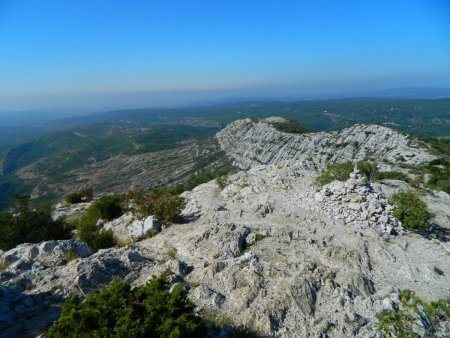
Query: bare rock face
x=311 y=263
x=269 y=251
x=38 y=277
x=140 y=228
x=251 y=143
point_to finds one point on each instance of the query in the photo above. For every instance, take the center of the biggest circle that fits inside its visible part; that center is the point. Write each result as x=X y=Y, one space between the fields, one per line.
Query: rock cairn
x=357 y=204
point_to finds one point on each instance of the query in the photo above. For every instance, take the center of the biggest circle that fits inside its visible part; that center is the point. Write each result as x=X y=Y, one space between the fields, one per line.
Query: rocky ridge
x=251 y=143
x=268 y=251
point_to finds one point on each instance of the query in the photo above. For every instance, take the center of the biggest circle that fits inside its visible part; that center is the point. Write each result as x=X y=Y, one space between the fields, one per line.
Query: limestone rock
x=251 y=143
x=140 y=228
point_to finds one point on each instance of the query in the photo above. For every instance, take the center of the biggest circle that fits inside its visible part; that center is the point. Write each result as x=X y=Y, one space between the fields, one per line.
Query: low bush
x=84 y=195
x=95 y=236
x=333 y=172
x=393 y=175
x=165 y=204
x=106 y=208
x=222 y=181
x=119 y=311
x=109 y=207
x=403 y=323
x=369 y=170
x=292 y=127
x=30 y=226
x=411 y=211
x=439 y=171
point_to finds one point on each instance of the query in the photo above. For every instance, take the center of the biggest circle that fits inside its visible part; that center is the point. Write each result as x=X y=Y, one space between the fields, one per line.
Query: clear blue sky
x=99 y=46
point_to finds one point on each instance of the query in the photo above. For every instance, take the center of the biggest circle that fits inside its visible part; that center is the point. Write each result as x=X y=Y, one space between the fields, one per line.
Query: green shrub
x=119 y=311
x=403 y=322
x=30 y=226
x=393 y=175
x=411 y=211
x=168 y=208
x=91 y=233
x=109 y=207
x=165 y=204
x=333 y=172
x=438 y=161
x=96 y=237
x=369 y=170
x=222 y=181
x=292 y=127
x=84 y=195
x=86 y=224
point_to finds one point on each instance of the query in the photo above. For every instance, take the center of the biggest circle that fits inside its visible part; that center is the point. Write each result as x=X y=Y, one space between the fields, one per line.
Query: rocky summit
x=268 y=250
x=250 y=143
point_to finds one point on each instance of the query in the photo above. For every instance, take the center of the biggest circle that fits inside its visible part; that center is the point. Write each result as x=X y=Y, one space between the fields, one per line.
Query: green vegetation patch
x=412 y=309
x=334 y=172
x=411 y=211
x=292 y=127
x=30 y=226
x=119 y=311
x=369 y=170
x=83 y=195
x=106 y=208
x=439 y=168
x=165 y=204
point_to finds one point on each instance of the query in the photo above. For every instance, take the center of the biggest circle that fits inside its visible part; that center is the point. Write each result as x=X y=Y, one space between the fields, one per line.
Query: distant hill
x=58 y=155
x=425 y=117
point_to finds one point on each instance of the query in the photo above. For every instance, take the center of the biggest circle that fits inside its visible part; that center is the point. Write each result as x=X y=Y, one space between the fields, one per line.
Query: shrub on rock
x=30 y=226
x=109 y=207
x=333 y=172
x=411 y=211
x=369 y=170
x=83 y=195
x=119 y=311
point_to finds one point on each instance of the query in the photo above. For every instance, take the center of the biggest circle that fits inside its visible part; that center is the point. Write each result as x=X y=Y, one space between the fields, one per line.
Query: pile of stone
x=357 y=204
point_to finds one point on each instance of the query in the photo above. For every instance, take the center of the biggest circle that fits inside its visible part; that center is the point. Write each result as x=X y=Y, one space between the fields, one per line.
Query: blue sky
x=77 y=47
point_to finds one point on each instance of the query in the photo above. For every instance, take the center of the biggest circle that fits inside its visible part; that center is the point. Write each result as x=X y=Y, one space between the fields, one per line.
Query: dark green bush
x=119 y=311
x=165 y=204
x=411 y=211
x=168 y=208
x=403 y=323
x=30 y=226
x=109 y=207
x=393 y=175
x=292 y=127
x=333 y=172
x=438 y=161
x=106 y=208
x=96 y=237
x=84 y=195
x=369 y=170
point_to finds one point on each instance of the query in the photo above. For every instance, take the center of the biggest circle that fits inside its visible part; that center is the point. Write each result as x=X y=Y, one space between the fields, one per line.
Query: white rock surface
x=38 y=278
x=140 y=228
x=269 y=251
x=319 y=265
x=251 y=143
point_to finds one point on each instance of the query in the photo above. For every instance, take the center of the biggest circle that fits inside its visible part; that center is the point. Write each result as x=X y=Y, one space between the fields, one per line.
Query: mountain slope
x=268 y=251
x=106 y=157
x=250 y=143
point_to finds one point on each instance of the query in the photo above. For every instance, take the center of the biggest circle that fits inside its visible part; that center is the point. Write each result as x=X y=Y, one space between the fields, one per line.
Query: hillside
x=110 y=158
x=423 y=117
x=259 y=142
x=268 y=251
